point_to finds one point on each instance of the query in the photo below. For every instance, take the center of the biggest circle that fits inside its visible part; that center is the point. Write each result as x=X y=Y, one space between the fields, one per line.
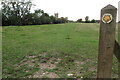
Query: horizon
x=78 y=10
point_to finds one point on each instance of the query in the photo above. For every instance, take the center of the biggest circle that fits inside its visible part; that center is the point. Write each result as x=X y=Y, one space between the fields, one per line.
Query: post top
x=109 y=7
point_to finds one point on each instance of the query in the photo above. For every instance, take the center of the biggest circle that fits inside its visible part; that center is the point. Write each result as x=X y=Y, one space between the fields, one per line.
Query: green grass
x=74 y=46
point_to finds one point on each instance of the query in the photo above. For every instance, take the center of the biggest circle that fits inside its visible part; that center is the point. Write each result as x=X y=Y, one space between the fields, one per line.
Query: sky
x=74 y=9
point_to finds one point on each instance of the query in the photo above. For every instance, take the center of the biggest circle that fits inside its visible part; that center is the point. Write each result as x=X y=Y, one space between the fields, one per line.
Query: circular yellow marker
x=107 y=18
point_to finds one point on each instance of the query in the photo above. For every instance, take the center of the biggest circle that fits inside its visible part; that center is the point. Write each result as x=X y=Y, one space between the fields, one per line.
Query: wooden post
x=117 y=54
x=117 y=51
x=106 y=41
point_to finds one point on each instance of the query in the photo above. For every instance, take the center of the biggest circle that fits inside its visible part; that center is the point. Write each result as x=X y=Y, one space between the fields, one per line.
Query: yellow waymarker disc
x=107 y=18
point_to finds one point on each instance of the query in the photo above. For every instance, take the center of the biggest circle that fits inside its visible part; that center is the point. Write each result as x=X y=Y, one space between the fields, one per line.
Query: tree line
x=19 y=13
x=87 y=20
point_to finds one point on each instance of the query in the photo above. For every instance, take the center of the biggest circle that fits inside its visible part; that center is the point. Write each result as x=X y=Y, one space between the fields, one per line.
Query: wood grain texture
x=106 y=43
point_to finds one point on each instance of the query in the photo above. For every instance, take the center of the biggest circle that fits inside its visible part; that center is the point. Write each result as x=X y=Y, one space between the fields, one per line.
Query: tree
x=45 y=19
x=18 y=13
x=36 y=17
x=79 y=20
x=87 y=19
x=15 y=11
x=53 y=20
x=92 y=21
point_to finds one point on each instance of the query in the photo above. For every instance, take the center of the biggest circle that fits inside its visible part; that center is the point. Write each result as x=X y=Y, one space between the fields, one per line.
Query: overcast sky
x=74 y=9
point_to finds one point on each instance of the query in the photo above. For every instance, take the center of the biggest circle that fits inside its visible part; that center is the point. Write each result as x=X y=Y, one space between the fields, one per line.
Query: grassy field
x=51 y=51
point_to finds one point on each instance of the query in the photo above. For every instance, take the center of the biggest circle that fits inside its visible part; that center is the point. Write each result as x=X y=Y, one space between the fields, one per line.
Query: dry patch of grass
x=41 y=62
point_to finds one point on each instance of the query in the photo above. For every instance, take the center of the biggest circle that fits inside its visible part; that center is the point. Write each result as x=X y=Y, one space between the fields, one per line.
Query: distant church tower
x=56 y=15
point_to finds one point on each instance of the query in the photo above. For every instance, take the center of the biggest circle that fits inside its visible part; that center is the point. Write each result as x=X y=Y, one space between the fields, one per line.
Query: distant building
x=56 y=15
